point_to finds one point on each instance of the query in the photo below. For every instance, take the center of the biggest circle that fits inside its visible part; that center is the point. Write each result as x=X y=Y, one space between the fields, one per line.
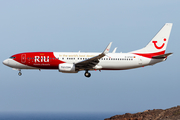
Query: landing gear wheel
x=19 y=73
x=87 y=74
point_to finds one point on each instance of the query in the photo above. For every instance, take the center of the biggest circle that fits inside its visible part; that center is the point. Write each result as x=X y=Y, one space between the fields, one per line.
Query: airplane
x=73 y=62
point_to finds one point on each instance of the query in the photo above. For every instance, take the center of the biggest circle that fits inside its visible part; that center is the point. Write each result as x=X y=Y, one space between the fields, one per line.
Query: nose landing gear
x=87 y=74
x=20 y=73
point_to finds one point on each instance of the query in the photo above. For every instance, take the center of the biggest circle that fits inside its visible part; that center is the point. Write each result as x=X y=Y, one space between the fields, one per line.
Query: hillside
x=155 y=114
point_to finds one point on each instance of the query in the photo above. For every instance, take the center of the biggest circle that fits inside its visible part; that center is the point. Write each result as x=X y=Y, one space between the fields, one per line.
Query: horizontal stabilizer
x=162 y=56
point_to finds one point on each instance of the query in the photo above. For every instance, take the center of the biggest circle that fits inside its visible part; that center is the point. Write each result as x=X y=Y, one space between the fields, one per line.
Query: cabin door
x=23 y=58
x=140 y=61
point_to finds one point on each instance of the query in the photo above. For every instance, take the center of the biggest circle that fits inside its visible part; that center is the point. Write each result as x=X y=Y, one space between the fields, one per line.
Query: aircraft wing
x=91 y=62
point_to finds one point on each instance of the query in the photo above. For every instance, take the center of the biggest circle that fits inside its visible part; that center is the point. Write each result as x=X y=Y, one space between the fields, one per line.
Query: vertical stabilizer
x=158 y=44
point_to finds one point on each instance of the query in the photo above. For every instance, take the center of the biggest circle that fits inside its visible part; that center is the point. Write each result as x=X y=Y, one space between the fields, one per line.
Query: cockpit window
x=12 y=57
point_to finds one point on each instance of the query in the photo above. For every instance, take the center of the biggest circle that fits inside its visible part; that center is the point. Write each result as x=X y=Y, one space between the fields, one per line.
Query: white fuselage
x=112 y=61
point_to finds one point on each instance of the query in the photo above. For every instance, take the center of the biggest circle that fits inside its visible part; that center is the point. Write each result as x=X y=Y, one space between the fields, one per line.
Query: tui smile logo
x=157 y=47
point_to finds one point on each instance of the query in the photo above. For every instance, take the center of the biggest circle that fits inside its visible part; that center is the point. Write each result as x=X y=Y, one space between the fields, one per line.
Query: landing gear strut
x=20 y=73
x=87 y=74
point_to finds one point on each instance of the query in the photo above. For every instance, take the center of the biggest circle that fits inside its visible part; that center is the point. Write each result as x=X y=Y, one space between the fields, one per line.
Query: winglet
x=106 y=51
x=114 y=50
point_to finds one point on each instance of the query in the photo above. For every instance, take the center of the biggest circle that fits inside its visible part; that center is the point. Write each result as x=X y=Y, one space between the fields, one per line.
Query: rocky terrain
x=155 y=114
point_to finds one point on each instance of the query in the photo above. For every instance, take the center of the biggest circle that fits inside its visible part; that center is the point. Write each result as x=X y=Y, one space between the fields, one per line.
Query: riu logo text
x=41 y=59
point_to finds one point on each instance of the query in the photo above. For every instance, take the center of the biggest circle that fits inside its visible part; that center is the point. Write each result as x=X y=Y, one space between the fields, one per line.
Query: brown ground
x=156 y=114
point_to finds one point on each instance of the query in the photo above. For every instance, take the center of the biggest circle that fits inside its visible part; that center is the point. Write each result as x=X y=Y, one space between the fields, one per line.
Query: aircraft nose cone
x=5 y=62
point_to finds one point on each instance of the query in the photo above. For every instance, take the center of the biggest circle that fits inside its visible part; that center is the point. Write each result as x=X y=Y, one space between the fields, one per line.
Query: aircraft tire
x=19 y=73
x=87 y=74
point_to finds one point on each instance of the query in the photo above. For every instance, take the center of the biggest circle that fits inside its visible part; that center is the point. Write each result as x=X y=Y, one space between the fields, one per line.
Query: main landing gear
x=20 y=73
x=87 y=74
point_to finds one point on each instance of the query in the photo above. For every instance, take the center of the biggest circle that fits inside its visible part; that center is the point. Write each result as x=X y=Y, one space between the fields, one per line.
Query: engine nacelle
x=67 y=68
x=97 y=67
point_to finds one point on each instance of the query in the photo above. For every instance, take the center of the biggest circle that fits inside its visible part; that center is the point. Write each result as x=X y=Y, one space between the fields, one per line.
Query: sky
x=88 y=26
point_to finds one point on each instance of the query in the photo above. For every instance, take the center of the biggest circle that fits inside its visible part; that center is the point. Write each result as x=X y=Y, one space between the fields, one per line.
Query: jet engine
x=67 y=68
